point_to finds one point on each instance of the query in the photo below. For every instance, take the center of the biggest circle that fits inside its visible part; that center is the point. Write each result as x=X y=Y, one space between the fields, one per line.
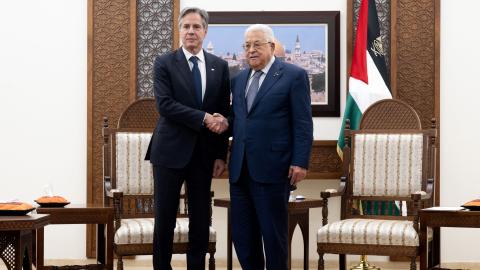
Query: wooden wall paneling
x=109 y=74
x=132 y=96
x=418 y=62
x=112 y=76
x=350 y=33
x=393 y=47
x=324 y=161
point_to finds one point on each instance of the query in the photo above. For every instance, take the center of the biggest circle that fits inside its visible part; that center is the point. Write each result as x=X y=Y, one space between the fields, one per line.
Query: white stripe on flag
x=367 y=94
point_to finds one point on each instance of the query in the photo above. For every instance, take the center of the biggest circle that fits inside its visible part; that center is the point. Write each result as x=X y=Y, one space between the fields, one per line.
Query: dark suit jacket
x=278 y=130
x=180 y=126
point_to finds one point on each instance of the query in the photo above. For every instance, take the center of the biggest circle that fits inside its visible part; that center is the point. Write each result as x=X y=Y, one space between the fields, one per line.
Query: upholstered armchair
x=381 y=163
x=128 y=185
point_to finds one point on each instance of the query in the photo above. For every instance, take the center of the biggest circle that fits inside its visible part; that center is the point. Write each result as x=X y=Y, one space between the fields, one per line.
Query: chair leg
x=119 y=263
x=211 y=261
x=321 y=262
x=342 y=262
x=413 y=263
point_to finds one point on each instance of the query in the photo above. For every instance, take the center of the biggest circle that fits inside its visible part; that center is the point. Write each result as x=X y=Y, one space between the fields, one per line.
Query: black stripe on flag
x=374 y=42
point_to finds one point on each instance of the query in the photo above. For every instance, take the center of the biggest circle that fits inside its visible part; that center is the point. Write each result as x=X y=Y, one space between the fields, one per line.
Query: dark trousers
x=168 y=183
x=260 y=211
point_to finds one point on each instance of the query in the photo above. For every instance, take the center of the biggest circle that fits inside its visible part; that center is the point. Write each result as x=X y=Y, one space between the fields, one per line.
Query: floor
x=177 y=265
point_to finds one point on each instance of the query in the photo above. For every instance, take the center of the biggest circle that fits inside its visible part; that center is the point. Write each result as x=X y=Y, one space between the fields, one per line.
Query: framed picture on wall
x=309 y=39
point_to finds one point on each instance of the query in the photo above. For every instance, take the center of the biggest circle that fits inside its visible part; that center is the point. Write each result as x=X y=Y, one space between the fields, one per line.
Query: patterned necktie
x=253 y=89
x=197 y=79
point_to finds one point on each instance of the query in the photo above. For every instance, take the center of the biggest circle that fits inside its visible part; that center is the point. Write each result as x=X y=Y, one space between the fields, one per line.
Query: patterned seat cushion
x=370 y=232
x=140 y=231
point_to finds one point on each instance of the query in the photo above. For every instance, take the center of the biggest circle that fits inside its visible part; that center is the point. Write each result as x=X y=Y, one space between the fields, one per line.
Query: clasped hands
x=216 y=123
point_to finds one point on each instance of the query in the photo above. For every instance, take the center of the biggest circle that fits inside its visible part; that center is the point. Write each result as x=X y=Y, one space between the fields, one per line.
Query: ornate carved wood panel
x=155 y=31
x=112 y=65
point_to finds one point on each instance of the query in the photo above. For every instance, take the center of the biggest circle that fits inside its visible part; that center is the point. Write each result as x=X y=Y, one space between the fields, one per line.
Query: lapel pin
x=213 y=69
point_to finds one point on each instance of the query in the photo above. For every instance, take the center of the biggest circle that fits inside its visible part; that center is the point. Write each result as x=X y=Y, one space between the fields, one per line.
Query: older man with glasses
x=272 y=130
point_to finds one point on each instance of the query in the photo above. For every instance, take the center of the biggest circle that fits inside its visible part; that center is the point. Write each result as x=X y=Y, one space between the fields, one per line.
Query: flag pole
x=364 y=265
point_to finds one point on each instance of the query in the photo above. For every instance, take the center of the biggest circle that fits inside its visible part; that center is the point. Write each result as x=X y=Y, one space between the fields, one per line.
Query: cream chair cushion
x=140 y=231
x=134 y=173
x=387 y=164
x=370 y=232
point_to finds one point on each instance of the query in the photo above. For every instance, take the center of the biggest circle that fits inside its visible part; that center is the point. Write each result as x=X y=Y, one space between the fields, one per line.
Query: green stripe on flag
x=353 y=113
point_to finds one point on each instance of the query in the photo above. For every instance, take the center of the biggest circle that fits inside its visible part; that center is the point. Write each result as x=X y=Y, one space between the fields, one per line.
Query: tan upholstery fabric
x=134 y=174
x=140 y=231
x=369 y=231
x=387 y=164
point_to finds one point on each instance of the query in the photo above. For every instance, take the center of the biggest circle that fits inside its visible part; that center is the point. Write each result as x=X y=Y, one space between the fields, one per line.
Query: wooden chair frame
x=139 y=117
x=379 y=119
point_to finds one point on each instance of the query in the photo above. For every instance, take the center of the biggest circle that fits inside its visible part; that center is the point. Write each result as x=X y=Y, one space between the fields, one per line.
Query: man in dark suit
x=272 y=138
x=189 y=85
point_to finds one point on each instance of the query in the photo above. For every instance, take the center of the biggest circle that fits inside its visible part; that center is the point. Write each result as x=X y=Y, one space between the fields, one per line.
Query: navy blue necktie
x=197 y=79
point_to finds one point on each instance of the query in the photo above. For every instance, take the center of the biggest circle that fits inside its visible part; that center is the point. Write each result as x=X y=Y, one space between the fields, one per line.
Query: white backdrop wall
x=43 y=58
x=43 y=95
x=459 y=95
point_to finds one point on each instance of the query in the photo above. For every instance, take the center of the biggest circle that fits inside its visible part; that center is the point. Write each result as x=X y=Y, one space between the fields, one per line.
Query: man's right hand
x=216 y=123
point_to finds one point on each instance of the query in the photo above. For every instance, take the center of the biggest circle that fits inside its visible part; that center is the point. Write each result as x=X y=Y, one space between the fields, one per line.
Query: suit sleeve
x=222 y=147
x=302 y=124
x=166 y=104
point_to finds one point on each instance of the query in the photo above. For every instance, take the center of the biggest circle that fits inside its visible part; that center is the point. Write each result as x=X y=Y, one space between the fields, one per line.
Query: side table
x=16 y=233
x=100 y=215
x=436 y=217
x=298 y=213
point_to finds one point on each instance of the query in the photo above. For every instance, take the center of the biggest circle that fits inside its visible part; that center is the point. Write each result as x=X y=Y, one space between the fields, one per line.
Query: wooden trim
x=393 y=47
x=90 y=5
x=437 y=99
x=132 y=93
x=176 y=35
x=350 y=28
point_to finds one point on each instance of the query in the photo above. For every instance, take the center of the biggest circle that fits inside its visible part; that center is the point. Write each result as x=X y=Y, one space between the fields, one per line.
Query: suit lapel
x=185 y=72
x=242 y=80
x=272 y=76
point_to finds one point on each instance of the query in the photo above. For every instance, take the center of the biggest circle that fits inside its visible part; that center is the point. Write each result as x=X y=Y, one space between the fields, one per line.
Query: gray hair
x=203 y=14
x=265 y=29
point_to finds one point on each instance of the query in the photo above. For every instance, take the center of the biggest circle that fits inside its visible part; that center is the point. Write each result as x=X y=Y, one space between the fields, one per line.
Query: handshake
x=216 y=122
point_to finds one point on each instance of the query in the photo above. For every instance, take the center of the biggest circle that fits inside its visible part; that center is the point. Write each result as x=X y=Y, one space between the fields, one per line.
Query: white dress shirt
x=201 y=66
x=262 y=77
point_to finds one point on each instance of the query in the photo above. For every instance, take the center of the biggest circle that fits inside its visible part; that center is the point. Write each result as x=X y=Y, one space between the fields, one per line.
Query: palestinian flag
x=368 y=83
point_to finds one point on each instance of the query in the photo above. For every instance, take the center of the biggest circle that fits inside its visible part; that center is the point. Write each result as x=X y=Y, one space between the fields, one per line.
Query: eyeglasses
x=255 y=45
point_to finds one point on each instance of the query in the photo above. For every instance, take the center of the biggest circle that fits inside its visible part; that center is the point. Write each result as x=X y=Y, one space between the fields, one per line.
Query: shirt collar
x=188 y=54
x=266 y=68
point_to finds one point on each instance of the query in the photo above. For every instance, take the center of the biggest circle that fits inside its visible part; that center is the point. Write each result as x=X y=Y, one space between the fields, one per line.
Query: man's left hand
x=218 y=167
x=296 y=174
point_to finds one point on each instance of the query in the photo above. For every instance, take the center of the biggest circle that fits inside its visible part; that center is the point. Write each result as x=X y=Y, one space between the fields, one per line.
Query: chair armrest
x=424 y=195
x=331 y=193
x=109 y=191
